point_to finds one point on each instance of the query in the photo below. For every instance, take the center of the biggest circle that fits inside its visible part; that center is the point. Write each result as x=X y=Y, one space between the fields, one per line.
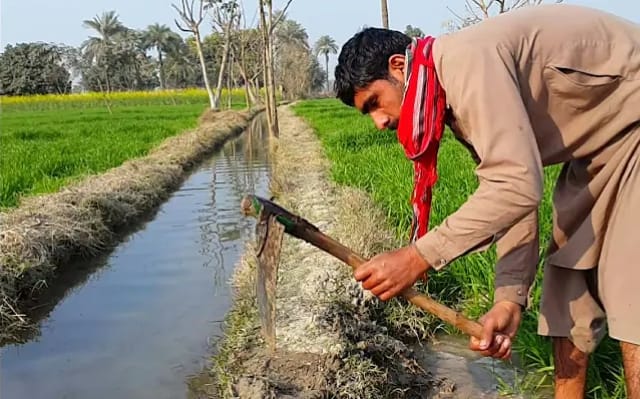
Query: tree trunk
x=272 y=92
x=326 y=60
x=254 y=91
x=385 y=14
x=230 y=83
x=223 y=64
x=203 y=66
x=267 y=99
x=247 y=100
x=161 y=63
x=248 y=95
x=270 y=75
x=106 y=78
x=272 y=112
x=240 y=61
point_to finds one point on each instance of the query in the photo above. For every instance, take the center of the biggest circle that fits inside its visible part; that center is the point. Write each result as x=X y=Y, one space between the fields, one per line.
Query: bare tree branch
x=482 y=6
x=192 y=24
x=200 y=12
x=180 y=27
x=479 y=10
x=281 y=16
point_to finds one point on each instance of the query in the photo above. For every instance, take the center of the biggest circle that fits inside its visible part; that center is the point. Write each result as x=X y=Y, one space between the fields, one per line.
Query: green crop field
x=47 y=141
x=372 y=160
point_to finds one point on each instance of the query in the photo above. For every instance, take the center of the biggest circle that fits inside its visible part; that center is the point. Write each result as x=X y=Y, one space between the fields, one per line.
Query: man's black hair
x=365 y=58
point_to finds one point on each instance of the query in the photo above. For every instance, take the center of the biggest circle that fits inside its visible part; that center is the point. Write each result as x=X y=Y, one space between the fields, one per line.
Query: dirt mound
x=211 y=116
x=299 y=375
x=86 y=217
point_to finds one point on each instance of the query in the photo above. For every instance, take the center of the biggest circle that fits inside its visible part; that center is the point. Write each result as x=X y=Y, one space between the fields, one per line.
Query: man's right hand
x=500 y=325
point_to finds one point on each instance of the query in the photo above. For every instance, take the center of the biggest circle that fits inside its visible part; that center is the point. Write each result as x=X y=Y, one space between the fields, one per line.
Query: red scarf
x=420 y=128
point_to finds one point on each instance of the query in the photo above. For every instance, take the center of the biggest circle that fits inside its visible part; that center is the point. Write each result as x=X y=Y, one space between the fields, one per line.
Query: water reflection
x=138 y=322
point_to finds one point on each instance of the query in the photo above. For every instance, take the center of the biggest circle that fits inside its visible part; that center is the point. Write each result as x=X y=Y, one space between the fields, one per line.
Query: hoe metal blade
x=269 y=234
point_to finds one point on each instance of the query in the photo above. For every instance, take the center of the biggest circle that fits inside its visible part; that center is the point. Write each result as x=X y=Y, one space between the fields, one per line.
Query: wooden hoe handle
x=304 y=230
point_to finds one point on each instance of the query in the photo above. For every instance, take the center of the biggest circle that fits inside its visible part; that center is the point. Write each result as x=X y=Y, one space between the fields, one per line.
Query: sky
x=61 y=22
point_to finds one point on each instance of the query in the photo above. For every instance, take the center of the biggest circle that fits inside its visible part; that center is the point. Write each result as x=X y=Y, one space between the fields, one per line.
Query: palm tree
x=106 y=25
x=97 y=49
x=413 y=31
x=385 y=14
x=163 y=39
x=291 y=32
x=326 y=45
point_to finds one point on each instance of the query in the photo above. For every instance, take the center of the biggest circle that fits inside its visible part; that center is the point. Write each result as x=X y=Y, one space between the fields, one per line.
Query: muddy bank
x=90 y=216
x=329 y=339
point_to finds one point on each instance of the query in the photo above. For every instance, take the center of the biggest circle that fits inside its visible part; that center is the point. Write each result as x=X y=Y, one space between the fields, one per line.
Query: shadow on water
x=138 y=322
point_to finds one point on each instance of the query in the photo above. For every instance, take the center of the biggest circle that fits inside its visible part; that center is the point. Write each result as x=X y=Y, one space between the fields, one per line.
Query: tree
x=268 y=24
x=413 y=31
x=325 y=46
x=247 y=51
x=317 y=75
x=385 y=14
x=225 y=19
x=99 y=50
x=479 y=10
x=182 y=66
x=164 y=40
x=107 y=25
x=192 y=16
x=115 y=58
x=33 y=68
x=294 y=59
x=290 y=32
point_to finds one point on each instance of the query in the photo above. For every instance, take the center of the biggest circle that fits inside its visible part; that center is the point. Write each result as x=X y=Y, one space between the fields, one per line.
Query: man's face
x=382 y=98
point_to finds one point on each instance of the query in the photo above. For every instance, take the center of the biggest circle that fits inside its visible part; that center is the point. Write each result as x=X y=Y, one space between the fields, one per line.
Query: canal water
x=138 y=322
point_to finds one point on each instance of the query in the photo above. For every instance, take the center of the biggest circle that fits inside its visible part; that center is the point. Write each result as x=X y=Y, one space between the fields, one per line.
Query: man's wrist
x=511 y=305
x=420 y=263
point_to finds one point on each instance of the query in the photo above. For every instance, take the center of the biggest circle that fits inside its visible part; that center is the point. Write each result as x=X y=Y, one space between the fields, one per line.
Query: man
x=530 y=88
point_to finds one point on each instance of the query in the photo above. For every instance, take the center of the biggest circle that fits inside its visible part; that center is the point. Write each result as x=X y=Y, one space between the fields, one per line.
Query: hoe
x=273 y=222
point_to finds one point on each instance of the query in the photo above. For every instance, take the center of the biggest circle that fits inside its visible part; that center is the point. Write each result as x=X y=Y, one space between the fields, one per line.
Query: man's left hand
x=388 y=274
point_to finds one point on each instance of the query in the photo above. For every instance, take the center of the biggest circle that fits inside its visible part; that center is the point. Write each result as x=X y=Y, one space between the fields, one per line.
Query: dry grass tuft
x=86 y=217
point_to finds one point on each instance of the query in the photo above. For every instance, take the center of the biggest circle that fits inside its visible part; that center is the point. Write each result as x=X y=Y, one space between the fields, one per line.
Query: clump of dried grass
x=85 y=218
x=366 y=230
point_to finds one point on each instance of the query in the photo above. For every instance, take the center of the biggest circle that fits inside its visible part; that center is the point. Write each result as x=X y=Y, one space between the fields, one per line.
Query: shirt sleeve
x=482 y=88
x=518 y=255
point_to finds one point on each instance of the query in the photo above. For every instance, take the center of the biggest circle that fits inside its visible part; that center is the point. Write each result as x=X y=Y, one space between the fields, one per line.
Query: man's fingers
x=363 y=272
x=390 y=293
x=488 y=329
x=372 y=281
x=380 y=288
x=503 y=348
x=474 y=344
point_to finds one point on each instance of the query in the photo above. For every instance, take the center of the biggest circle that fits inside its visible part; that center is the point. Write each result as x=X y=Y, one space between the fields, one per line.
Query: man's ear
x=396 y=66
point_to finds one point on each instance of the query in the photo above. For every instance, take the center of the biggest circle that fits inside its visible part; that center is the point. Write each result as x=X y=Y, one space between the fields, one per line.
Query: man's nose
x=381 y=121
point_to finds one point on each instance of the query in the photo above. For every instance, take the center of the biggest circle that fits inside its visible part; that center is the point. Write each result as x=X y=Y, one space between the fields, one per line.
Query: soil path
x=328 y=340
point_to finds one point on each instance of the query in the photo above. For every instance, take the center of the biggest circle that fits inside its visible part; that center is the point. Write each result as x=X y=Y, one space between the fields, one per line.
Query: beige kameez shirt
x=534 y=87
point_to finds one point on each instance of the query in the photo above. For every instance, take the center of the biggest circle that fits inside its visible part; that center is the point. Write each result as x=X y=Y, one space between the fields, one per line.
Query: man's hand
x=388 y=274
x=500 y=325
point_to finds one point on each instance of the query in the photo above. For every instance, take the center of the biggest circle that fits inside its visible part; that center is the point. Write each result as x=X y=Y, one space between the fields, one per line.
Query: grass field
x=48 y=141
x=372 y=160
